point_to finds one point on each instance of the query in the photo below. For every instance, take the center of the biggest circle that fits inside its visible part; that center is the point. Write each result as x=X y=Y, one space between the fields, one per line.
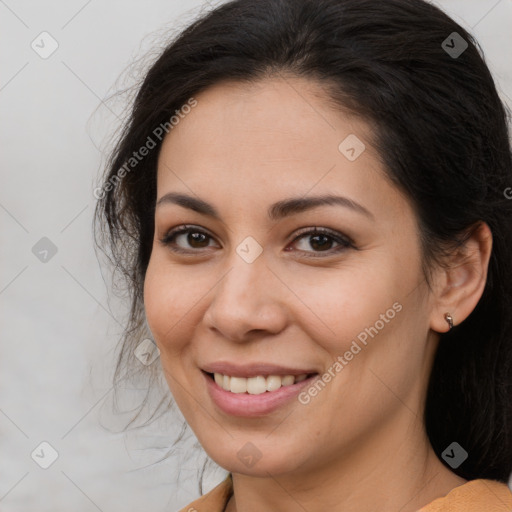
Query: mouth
x=254 y=396
x=256 y=385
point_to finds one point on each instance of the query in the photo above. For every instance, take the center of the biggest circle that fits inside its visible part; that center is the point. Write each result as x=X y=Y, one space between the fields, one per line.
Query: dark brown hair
x=441 y=131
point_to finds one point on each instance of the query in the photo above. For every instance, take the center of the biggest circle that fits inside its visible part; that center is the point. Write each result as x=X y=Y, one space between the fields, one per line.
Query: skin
x=360 y=444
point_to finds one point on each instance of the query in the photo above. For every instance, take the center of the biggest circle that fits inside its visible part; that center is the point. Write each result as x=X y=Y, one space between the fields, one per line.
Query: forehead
x=283 y=117
x=269 y=139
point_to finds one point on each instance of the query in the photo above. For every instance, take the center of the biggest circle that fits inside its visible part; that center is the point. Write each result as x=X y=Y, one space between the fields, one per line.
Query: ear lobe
x=463 y=280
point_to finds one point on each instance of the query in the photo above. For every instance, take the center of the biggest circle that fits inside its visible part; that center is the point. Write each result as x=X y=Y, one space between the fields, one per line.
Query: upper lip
x=253 y=369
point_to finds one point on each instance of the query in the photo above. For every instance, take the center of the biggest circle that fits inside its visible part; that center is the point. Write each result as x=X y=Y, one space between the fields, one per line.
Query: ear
x=460 y=285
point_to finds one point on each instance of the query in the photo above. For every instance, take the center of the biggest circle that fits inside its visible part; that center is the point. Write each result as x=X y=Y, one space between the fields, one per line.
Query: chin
x=247 y=459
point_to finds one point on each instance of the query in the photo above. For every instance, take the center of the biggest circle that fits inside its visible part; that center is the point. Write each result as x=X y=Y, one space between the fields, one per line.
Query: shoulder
x=213 y=501
x=481 y=495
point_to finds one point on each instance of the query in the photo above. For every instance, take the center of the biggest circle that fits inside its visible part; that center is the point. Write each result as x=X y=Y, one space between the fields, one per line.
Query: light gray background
x=58 y=326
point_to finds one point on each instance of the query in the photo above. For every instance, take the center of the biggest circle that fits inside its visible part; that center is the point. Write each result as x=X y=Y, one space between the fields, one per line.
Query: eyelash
x=344 y=241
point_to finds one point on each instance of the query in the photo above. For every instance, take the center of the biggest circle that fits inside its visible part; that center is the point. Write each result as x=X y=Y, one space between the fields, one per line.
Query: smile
x=256 y=385
x=257 y=395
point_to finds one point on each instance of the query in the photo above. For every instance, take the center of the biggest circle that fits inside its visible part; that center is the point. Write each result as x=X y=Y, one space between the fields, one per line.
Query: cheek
x=339 y=306
x=166 y=304
x=364 y=318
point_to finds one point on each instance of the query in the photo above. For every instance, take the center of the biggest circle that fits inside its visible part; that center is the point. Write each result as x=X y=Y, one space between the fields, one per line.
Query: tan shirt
x=474 y=496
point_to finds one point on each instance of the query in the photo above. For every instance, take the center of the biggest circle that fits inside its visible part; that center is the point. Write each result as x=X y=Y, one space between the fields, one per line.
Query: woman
x=317 y=232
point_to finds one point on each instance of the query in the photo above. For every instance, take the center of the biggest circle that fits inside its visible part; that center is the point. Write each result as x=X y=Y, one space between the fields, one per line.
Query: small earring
x=449 y=319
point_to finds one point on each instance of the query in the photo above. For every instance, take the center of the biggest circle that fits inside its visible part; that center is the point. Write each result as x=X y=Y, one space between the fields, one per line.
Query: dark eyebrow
x=276 y=211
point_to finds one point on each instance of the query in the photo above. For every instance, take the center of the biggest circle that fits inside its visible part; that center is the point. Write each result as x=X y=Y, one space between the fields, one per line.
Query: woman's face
x=253 y=293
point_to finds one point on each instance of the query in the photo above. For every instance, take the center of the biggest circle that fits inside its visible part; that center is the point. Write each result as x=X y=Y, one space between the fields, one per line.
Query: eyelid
x=344 y=242
x=312 y=230
x=179 y=230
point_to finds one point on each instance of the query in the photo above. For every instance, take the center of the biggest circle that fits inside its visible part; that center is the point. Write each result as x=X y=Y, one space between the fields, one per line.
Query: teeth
x=256 y=385
x=273 y=382
x=287 y=380
x=237 y=384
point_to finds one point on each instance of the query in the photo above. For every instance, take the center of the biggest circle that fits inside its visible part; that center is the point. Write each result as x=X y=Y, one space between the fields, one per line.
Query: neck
x=387 y=472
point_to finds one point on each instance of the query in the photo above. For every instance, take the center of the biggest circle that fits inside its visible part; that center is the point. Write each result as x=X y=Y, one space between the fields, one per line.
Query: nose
x=248 y=302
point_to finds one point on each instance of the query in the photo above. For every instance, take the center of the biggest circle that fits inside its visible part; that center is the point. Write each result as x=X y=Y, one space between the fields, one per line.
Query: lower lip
x=244 y=404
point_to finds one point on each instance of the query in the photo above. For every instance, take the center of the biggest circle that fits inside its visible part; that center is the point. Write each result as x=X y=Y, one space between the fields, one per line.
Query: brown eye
x=321 y=240
x=187 y=236
x=197 y=239
x=189 y=239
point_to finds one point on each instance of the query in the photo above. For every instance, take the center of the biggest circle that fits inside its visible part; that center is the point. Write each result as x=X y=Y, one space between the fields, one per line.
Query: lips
x=254 y=389
x=254 y=370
